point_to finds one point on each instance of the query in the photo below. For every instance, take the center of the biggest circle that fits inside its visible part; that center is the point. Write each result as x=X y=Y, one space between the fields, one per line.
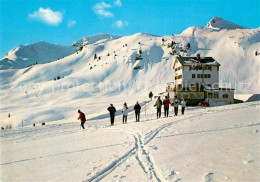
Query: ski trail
x=107 y=170
x=142 y=155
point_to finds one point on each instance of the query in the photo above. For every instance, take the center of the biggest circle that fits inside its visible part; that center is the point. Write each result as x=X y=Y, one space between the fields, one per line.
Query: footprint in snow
x=172 y=174
x=154 y=147
x=121 y=177
x=248 y=161
x=208 y=177
x=178 y=180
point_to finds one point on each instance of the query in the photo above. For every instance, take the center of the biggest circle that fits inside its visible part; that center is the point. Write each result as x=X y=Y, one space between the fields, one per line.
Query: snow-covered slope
x=124 y=69
x=43 y=52
x=37 y=53
x=218 y=144
x=220 y=23
x=99 y=38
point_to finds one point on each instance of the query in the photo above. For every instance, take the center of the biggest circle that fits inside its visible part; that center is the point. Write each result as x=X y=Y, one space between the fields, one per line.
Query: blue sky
x=64 y=21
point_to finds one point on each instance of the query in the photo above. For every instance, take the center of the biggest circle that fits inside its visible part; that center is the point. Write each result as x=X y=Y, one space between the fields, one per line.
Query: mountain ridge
x=125 y=69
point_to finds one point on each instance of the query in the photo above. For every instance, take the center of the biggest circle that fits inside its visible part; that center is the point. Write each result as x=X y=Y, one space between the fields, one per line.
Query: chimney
x=198 y=57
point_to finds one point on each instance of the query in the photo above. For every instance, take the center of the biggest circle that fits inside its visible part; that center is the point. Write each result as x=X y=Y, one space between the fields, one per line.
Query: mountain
x=121 y=70
x=99 y=38
x=40 y=52
x=43 y=52
x=220 y=23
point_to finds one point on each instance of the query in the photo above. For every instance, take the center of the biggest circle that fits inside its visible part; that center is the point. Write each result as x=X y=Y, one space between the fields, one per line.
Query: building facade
x=197 y=78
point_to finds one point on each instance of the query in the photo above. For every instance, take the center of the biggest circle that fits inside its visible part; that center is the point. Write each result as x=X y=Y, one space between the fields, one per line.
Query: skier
x=166 y=103
x=112 y=111
x=158 y=105
x=82 y=118
x=137 y=109
x=125 y=112
x=175 y=105
x=183 y=105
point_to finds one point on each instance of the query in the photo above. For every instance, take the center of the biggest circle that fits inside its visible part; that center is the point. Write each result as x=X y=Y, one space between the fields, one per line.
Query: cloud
x=71 y=23
x=120 y=24
x=47 y=16
x=100 y=9
x=117 y=3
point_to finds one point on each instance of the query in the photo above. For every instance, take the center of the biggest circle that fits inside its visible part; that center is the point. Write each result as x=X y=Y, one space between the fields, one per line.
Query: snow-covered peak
x=36 y=53
x=220 y=23
x=98 y=38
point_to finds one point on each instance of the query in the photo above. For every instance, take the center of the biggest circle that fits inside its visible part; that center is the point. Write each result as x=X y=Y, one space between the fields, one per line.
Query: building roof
x=195 y=60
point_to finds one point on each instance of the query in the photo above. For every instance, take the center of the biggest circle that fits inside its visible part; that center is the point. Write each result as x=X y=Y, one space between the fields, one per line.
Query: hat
x=78 y=111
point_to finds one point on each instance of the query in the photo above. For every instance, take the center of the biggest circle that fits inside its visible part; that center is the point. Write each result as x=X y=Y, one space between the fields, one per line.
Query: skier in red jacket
x=82 y=118
x=166 y=103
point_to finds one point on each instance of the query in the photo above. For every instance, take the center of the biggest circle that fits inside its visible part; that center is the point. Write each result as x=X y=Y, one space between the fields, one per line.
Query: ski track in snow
x=142 y=154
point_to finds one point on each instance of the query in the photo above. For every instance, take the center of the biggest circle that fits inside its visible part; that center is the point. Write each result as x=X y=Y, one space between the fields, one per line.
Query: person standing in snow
x=112 y=111
x=166 y=103
x=183 y=105
x=82 y=118
x=158 y=105
x=125 y=112
x=137 y=109
x=175 y=105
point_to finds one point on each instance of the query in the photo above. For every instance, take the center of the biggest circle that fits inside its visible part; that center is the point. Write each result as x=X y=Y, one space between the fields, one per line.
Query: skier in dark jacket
x=166 y=103
x=82 y=118
x=112 y=111
x=137 y=109
x=158 y=105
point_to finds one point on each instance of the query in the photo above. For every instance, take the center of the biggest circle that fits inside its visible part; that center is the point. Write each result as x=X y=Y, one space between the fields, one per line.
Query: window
x=192 y=96
x=218 y=68
x=208 y=68
x=216 y=95
x=199 y=75
x=210 y=95
x=190 y=68
x=178 y=77
x=207 y=75
x=225 y=96
x=193 y=76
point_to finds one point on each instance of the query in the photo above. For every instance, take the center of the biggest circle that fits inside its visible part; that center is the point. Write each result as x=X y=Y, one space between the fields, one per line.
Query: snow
x=86 y=83
x=219 y=23
x=40 y=52
x=205 y=144
x=196 y=146
x=243 y=97
x=43 y=52
x=97 y=39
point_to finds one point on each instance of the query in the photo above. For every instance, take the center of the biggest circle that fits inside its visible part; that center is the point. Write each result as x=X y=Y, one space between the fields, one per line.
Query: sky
x=65 y=21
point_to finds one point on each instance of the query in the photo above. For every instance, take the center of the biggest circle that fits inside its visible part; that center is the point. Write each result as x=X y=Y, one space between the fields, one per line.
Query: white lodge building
x=197 y=79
